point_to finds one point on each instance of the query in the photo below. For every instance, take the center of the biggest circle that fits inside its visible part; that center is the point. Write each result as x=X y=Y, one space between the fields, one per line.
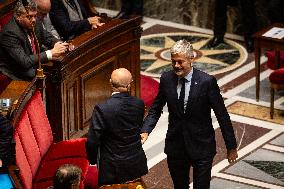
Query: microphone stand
x=39 y=73
x=40 y=77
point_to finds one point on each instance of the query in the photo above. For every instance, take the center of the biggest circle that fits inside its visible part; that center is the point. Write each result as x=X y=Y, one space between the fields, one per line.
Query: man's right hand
x=95 y=21
x=144 y=137
x=59 y=49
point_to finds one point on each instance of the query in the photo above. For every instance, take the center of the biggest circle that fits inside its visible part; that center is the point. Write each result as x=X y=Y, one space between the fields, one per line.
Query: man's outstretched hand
x=144 y=137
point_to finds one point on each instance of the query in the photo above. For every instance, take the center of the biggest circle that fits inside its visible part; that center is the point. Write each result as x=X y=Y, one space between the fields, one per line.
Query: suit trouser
x=248 y=17
x=276 y=11
x=179 y=167
x=132 y=7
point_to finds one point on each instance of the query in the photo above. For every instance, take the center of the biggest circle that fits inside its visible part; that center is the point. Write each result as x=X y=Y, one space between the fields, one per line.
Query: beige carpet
x=256 y=111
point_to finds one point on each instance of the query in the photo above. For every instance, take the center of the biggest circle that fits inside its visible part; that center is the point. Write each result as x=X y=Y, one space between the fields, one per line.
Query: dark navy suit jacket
x=62 y=23
x=191 y=132
x=115 y=135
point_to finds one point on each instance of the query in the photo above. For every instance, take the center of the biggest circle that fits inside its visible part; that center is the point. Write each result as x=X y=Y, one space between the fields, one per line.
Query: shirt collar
x=189 y=75
x=113 y=93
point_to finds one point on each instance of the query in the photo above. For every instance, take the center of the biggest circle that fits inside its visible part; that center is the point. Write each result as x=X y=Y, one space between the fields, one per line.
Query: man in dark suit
x=130 y=7
x=190 y=141
x=18 y=52
x=249 y=23
x=70 y=18
x=114 y=142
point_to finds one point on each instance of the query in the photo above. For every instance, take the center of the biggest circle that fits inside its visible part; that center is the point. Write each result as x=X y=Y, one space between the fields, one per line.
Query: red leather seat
x=271 y=59
x=4 y=19
x=276 y=79
x=149 y=90
x=38 y=157
x=4 y=80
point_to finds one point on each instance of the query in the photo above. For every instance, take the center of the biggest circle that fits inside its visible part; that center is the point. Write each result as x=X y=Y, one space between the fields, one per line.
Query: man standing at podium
x=18 y=47
x=114 y=142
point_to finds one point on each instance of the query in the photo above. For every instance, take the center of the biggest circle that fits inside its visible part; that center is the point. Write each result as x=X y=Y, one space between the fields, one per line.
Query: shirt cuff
x=48 y=54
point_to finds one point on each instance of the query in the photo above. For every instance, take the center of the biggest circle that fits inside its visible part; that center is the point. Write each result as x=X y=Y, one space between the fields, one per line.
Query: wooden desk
x=13 y=92
x=80 y=79
x=266 y=43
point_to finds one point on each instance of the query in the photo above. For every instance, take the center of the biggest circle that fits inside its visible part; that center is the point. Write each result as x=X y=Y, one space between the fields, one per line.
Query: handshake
x=95 y=21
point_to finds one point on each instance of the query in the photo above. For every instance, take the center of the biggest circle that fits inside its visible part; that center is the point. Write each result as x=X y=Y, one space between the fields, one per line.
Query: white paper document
x=275 y=32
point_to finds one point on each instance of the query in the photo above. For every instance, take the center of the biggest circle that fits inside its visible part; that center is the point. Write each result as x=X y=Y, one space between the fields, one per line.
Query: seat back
x=33 y=137
x=149 y=90
x=271 y=60
x=5 y=15
x=6 y=12
x=5 y=19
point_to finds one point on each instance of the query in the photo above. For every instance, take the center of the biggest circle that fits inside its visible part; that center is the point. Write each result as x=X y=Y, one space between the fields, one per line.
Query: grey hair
x=21 y=9
x=183 y=47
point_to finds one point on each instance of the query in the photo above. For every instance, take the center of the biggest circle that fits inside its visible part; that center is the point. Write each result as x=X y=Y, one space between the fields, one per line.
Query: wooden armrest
x=14 y=172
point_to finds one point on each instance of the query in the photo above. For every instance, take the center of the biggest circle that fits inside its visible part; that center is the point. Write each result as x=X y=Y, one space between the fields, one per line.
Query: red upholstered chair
x=271 y=59
x=276 y=79
x=38 y=157
x=5 y=18
x=4 y=80
x=149 y=90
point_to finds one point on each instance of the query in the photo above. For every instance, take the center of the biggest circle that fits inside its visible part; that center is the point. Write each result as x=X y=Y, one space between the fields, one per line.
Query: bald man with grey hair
x=190 y=95
x=114 y=141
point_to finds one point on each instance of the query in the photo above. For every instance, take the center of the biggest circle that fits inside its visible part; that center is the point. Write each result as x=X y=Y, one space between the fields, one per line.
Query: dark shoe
x=121 y=15
x=215 y=42
x=249 y=45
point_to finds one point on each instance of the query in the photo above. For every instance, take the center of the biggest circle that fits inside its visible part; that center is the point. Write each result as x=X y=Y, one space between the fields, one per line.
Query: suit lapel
x=172 y=89
x=194 y=88
x=23 y=35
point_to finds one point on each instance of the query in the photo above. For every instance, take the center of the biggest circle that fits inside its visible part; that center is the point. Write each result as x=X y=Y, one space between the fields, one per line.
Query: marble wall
x=192 y=12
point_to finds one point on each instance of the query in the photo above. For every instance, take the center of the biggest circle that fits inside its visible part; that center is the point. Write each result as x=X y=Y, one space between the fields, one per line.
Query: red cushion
x=26 y=147
x=277 y=76
x=66 y=148
x=91 y=181
x=26 y=175
x=271 y=59
x=47 y=170
x=39 y=123
x=149 y=90
x=4 y=82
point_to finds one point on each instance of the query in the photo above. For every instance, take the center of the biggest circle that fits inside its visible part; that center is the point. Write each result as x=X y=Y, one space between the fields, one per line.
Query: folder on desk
x=6 y=181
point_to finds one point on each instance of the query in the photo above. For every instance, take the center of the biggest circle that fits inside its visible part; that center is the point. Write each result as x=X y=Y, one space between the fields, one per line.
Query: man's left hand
x=232 y=155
